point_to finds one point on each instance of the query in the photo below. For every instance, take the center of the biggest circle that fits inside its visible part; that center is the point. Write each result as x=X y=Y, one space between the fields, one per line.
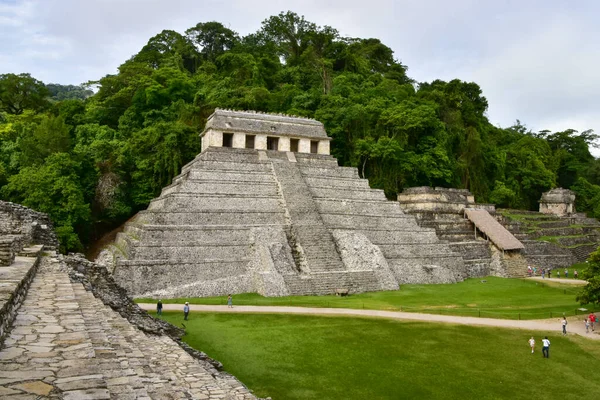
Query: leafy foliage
x=590 y=294
x=116 y=149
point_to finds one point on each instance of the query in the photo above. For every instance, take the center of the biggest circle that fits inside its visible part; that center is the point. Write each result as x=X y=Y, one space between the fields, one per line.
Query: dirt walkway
x=575 y=325
x=559 y=280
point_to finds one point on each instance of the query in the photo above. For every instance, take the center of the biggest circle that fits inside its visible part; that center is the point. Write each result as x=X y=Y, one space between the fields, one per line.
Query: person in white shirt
x=564 y=325
x=532 y=344
x=546 y=347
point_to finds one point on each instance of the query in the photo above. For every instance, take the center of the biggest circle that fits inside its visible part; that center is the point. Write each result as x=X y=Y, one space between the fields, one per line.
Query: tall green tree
x=21 y=92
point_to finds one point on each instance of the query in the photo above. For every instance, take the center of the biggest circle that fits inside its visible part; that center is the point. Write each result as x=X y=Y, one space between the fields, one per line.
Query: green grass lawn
x=496 y=298
x=306 y=357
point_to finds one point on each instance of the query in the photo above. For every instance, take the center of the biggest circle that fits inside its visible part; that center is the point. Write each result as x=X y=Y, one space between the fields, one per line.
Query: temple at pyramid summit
x=265 y=208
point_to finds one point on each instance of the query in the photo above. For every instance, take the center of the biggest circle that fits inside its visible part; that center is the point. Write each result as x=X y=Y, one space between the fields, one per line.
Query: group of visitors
x=186 y=307
x=533 y=271
x=590 y=322
x=545 y=346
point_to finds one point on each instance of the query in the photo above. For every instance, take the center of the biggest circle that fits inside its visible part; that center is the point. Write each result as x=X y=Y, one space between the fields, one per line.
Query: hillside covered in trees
x=92 y=160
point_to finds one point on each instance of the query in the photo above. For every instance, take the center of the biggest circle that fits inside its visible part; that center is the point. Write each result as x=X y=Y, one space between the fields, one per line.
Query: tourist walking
x=534 y=270
x=543 y=273
x=549 y=273
x=564 y=325
x=159 y=307
x=529 y=270
x=229 y=301
x=532 y=344
x=575 y=275
x=186 y=311
x=546 y=347
x=566 y=273
x=592 y=319
x=587 y=325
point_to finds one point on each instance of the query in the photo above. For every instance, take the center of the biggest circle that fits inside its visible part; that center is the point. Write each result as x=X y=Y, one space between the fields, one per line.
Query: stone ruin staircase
x=66 y=344
x=551 y=241
x=326 y=271
x=459 y=232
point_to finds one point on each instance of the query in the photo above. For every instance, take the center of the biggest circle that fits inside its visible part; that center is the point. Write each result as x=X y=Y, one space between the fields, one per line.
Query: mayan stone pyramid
x=264 y=208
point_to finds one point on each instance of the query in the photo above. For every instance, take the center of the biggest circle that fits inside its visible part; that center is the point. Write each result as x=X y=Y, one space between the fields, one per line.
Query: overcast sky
x=536 y=61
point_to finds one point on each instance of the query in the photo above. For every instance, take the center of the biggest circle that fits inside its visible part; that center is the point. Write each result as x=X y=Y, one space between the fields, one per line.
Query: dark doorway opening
x=314 y=146
x=228 y=140
x=272 y=143
x=250 y=141
x=294 y=143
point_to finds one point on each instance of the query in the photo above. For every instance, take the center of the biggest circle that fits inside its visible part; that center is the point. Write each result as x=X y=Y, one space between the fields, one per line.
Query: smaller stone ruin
x=439 y=200
x=471 y=230
x=20 y=227
x=559 y=202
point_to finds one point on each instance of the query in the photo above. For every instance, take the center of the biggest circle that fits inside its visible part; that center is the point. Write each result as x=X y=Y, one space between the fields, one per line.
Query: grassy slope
x=497 y=298
x=302 y=357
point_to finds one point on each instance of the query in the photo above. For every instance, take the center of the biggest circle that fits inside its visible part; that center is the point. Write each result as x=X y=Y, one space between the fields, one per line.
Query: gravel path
x=559 y=280
x=575 y=325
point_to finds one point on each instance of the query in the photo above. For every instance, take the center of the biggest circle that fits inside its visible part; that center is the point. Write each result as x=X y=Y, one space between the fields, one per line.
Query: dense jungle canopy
x=92 y=160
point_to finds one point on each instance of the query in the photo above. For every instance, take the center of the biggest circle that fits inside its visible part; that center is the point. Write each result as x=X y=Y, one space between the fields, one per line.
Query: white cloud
x=535 y=60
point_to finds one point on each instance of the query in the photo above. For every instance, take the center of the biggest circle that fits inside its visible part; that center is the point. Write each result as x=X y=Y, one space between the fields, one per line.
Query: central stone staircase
x=66 y=344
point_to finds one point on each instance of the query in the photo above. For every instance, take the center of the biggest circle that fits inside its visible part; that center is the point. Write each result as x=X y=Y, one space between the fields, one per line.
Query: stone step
x=340 y=172
x=257 y=217
x=381 y=206
x=415 y=250
x=191 y=251
x=222 y=188
x=400 y=222
x=189 y=233
x=202 y=175
x=350 y=194
x=337 y=183
x=181 y=201
x=227 y=166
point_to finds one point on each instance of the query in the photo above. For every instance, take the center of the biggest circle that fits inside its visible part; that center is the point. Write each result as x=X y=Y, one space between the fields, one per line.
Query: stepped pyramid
x=264 y=208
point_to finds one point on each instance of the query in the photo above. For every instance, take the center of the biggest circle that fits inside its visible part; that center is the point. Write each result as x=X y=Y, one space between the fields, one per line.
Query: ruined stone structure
x=67 y=331
x=20 y=227
x=559 y=201
x=486 y=247
x=557 y=239
x=264 y=208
